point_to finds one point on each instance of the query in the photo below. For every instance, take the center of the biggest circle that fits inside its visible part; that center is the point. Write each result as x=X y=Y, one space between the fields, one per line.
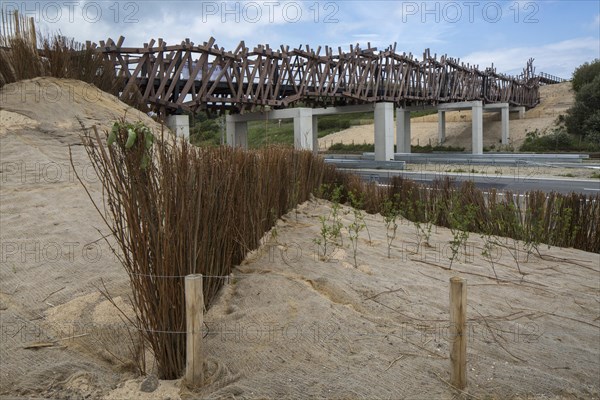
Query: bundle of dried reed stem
x=190 y=211
x=26 y=54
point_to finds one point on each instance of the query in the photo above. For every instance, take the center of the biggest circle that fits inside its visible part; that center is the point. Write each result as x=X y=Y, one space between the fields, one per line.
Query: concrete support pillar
x=384 y=131
x=504 y=116
x=303 y=129
x=441 y=127
x=520 y=110
x=237 y=132
x=179 y=125
x=229 y=130
x=402 y=130
x=477 y=126
x=241 y=133
x=315 y=135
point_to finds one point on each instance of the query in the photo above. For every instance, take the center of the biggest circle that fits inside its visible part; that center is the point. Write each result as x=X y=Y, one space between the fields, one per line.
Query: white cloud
x=379 y=22
x=382 y=24
x=595 y=24
x=559 y=58
x=366 y=35
x=229 y=22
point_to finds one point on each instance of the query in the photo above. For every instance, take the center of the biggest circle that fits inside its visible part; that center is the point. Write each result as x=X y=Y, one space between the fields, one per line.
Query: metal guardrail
x=488 y=158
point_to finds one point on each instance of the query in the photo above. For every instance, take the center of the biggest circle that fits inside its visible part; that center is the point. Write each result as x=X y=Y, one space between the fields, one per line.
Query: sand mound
x=554 y=101
x=61 y=105
x=54 y=258
x=14 y=121
x=292 y=325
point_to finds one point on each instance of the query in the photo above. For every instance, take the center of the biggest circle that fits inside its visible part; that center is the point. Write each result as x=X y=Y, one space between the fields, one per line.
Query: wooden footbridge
x=189 y=77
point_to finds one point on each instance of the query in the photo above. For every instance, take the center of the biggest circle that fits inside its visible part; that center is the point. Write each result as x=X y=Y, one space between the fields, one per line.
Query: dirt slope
x=288 y=324
x=554 y=101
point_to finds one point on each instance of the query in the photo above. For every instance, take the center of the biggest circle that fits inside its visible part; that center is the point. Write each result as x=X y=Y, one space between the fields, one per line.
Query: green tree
x=584 y=117
x=585 y=73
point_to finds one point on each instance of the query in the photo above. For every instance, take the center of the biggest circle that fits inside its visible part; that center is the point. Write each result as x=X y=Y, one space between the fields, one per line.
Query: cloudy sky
x=559 y=34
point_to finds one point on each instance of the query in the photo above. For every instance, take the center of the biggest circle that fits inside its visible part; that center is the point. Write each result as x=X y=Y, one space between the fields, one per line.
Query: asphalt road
x=516 y=183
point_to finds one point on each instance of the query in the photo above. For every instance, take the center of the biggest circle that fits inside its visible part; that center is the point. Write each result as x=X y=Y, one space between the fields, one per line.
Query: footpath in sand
x=287 y=324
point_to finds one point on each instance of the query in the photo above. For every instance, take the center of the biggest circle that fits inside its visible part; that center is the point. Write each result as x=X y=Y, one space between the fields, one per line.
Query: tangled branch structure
x=193 y=77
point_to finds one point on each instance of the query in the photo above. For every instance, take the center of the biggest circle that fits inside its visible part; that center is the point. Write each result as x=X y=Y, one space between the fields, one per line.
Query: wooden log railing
x=192 y=77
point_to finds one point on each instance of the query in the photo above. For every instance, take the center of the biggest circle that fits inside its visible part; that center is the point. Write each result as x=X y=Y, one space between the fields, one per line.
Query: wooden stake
x=194 y=308
x=458 y=332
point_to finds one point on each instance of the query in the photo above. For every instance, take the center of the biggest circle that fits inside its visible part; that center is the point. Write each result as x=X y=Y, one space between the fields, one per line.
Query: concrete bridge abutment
x=179 y=125
x=476 y=108
x=236 y=133
x=306 y=124
x=504 y=109
x=403 y=130
x=384 y=131
x=305 y=129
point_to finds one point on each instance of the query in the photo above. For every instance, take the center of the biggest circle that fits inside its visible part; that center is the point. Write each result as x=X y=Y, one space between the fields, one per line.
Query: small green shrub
x=439 y=148
x=357 y=225
x=358 y=147
x=390 y=213
x=460 y=218
x=558 y=140
x=331 y=225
